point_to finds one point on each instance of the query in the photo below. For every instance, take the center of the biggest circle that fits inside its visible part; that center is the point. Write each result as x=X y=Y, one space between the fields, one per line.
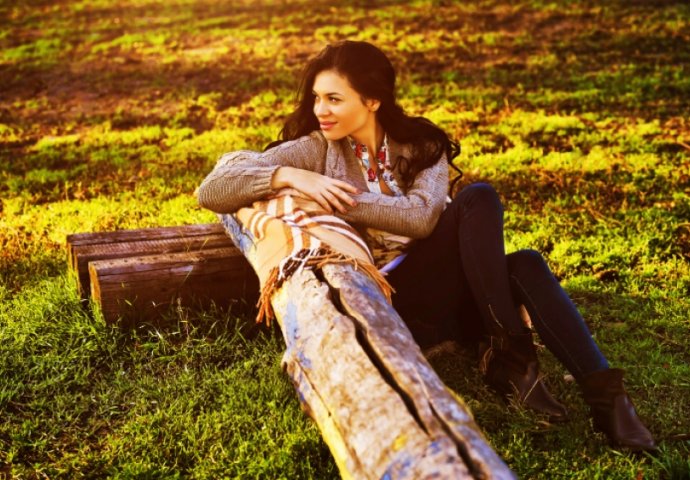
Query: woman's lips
x=326 y=125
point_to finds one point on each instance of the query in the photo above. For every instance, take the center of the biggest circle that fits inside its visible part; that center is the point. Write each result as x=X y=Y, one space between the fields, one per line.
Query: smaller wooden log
x=87 y=247
x=132 y=289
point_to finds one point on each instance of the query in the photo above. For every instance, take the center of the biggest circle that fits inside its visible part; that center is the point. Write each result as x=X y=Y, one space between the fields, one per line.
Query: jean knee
x=479 y=194
x=527 y=262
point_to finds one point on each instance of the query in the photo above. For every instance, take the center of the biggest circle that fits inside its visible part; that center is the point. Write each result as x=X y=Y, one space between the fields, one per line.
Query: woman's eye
x=334 y=100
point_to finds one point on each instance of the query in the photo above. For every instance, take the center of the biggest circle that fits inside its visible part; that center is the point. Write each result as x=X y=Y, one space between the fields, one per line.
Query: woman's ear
x=372 y=104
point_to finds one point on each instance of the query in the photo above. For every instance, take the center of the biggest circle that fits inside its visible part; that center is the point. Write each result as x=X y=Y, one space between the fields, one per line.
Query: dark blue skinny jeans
x=458 y=283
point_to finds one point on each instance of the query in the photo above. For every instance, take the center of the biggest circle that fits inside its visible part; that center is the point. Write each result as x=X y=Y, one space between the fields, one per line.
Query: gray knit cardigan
x=242 y=177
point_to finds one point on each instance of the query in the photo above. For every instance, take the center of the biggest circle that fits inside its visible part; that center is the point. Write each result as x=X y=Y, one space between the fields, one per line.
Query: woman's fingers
x=334 y=201
x=344 y=197
x=324 y=204
x=348 y=187
x=329 y=193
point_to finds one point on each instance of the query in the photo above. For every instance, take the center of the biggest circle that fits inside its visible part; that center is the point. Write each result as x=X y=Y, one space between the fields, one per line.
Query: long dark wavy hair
x=372 y=75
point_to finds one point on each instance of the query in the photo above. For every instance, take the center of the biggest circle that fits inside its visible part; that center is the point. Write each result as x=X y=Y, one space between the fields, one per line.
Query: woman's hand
x=326 y=191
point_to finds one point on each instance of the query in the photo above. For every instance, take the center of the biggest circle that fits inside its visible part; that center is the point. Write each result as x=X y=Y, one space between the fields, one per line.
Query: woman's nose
x=320 y=109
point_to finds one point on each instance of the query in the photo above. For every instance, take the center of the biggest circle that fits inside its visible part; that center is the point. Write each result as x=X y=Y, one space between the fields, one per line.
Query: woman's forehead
x=330 y=81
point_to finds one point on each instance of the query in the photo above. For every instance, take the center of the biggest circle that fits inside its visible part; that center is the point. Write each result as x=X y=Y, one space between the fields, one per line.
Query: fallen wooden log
x=381 y=408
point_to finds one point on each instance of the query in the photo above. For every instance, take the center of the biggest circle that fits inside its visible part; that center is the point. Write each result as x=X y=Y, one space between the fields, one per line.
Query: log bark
x=380 y=407
x=401 y=359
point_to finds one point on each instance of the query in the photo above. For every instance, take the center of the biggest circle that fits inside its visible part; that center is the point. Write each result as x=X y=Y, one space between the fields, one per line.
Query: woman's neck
x=372 y=138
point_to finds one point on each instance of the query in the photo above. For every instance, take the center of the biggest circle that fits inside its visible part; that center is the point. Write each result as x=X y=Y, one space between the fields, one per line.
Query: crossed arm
x=242 y=177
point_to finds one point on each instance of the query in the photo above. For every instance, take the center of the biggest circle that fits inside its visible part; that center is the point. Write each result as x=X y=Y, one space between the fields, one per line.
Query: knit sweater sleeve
x=414 y=214
x=243 y=177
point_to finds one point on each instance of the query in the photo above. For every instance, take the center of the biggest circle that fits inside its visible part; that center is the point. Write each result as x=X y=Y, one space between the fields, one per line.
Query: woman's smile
x=326 y=125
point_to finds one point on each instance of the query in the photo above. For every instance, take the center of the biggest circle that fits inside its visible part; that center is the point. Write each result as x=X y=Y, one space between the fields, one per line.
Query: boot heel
x=613 y=413
x=510 y=367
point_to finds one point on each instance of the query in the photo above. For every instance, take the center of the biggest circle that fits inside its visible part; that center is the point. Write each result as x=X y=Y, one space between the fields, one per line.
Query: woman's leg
x=479 y=216
x=508 y=360
x=565 y=334
x=554 y=316
x=463 y=261
x=461 y=269
x=431 y=292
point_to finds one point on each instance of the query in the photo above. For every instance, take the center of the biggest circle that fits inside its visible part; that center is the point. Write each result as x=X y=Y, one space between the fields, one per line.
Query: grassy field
x=112 y=112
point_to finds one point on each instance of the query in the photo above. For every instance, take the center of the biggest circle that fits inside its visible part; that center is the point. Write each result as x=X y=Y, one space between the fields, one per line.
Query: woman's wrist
x=280 y=178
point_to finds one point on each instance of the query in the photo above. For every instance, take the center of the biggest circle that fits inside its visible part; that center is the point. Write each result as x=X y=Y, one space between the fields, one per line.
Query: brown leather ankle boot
x=509 y=364
x=613 y=412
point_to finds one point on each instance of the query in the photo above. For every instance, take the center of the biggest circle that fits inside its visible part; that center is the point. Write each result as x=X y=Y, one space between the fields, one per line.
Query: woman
x=351 y=148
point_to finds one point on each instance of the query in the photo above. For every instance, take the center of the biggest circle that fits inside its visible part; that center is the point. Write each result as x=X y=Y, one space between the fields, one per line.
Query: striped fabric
x=290 y=232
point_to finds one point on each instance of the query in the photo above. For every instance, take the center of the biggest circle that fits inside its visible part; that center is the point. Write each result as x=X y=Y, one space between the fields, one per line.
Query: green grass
x=196 y=398
x=111 y=114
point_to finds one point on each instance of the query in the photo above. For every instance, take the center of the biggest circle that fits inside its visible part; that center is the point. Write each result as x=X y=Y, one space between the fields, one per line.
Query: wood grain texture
x=143 y=288
x=76 y=240
x=400 y=359
x=365 y=422
x=91 y=238
x=83 y=248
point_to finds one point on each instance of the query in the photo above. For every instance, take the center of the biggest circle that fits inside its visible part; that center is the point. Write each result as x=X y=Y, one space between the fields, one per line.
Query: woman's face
x=341 y=110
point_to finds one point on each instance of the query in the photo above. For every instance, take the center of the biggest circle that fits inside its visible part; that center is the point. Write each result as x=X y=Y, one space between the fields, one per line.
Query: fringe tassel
x=264 y=304
x=314 y=258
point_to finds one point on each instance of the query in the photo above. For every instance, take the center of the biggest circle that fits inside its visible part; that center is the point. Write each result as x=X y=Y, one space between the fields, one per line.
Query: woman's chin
x=331 y=135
